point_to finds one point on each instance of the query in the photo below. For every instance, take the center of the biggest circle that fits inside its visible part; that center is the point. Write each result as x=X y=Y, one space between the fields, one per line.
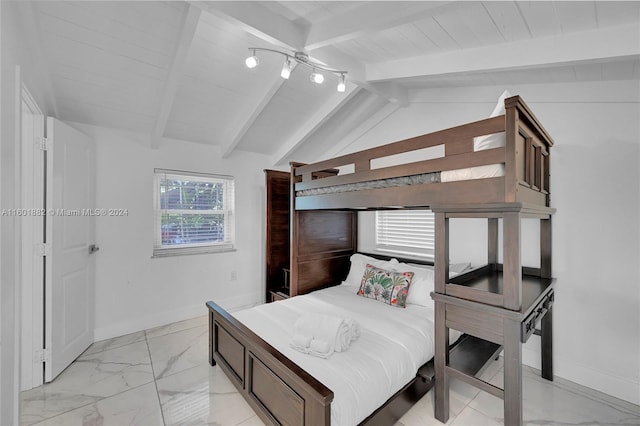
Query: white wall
x=135 y=291
x=596 y=189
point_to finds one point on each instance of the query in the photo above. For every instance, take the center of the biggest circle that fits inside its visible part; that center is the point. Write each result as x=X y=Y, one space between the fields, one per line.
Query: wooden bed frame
x=324 y=236
x=282 y=393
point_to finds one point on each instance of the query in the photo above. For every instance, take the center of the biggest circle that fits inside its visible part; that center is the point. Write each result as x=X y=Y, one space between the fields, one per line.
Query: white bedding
x=479 y=172
x=394 y=342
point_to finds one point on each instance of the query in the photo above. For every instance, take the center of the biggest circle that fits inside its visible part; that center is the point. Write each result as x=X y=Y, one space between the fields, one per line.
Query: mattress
x=394 y=342
x=480 y=172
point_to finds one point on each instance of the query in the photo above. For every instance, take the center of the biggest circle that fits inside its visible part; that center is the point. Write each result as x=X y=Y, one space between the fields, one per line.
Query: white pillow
x=421 y=287
x=358 y=265
x=495 y=140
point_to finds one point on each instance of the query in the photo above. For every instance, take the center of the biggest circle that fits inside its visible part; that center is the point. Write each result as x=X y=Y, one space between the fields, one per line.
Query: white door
x=70 y=234
x=32 y=228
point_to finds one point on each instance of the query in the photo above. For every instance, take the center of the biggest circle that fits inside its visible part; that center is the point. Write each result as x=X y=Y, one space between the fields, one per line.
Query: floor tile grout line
x=171 y=332
x=46 y=419
x=101 y=399
x=155 y=382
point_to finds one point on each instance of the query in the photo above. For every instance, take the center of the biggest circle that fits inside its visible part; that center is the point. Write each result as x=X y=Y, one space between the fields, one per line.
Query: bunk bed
x=506 y=179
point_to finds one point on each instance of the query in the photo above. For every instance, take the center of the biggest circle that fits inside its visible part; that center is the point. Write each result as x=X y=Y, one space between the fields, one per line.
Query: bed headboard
x=322 y=244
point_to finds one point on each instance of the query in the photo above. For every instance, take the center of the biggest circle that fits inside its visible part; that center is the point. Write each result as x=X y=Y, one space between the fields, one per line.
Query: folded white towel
x=302 y=340
x=320 y=348
x=327 y=333
x=354 y=329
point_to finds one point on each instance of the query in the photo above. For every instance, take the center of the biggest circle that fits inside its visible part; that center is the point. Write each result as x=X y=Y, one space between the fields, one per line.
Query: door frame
x=32 y=233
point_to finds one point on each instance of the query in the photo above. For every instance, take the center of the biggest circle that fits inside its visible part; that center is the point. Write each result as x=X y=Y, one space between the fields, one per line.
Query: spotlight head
x=342 y=87
x=251 y=61
x=316 y=77
x=286 y=69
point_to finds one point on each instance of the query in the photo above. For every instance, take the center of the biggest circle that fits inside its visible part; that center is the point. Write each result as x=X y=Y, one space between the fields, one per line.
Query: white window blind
x=406 y=232
x=194 y=213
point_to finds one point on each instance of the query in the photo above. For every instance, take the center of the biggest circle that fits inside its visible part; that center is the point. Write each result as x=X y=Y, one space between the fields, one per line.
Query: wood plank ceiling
x=175 y=69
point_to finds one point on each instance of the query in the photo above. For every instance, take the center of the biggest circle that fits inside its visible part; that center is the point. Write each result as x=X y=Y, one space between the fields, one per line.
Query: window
x=194 y=213
x=406 y=232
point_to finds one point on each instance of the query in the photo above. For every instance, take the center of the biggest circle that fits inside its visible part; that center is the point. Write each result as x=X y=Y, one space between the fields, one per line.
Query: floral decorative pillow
x=389 y=287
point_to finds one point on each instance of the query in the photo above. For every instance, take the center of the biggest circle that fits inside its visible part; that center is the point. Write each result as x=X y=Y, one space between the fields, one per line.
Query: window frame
x=423 y=250
x=228 y=245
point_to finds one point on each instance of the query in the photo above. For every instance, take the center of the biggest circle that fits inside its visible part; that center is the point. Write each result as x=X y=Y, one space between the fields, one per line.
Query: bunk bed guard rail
x=525 y=157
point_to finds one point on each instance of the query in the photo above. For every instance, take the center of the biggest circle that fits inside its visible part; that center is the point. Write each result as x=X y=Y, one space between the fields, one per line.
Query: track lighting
x=252 y=61
x=316 y=77
x=286 y=69
x=302 y=59
x=342 y=86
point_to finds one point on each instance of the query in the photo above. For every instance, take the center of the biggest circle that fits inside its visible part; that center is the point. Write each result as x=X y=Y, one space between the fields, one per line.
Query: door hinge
x=42 y=355
x=43 y=249
x=43 y=144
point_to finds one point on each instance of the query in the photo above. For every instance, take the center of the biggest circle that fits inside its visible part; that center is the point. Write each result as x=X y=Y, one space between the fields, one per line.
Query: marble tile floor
x=161 y=377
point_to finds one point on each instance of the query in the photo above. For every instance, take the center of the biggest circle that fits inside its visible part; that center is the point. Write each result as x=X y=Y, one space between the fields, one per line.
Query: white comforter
x=394 y=342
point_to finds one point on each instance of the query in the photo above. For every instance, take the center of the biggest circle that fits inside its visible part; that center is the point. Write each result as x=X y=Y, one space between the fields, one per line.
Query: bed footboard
x=277 y=389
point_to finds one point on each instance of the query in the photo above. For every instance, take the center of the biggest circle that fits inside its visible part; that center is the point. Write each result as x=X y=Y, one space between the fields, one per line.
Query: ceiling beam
x=389 y=90
x=368 y=18
x=189 y=23
x=275 y=29
x=606 y=43
x=320 y=116
x=271 y=90
x=259 y=21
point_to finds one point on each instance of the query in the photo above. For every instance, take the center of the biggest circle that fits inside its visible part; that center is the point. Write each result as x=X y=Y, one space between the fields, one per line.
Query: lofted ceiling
x=176 y=69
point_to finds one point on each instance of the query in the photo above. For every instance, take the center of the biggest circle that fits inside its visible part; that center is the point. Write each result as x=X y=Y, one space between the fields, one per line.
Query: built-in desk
x=502 y=303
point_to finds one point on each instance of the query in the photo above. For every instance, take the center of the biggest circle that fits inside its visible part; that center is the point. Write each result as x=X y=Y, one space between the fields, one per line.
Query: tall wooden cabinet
x=311 y=248
x=278 y=202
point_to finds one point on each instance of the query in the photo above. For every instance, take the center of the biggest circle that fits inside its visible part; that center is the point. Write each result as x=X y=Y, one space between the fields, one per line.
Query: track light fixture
x=252 y=61
x=316 y=77
x=286 y=69
x=342 y=86
x=302 y=59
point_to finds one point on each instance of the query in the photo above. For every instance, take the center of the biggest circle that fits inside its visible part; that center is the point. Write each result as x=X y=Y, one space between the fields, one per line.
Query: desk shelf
x=501 y=303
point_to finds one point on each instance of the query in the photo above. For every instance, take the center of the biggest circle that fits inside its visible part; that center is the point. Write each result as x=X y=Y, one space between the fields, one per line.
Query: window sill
x=189 y=251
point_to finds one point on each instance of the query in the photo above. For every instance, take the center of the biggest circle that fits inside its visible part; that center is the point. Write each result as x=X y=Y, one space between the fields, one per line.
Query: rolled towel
x=320 y=348
x=354 y=328
x=343 y=338
x=301 y=343
x=336 y=331
x=302 y=340
x=318 y=326
x=349 y=332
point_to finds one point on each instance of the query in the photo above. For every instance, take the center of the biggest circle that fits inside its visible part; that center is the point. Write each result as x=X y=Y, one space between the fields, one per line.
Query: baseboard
x=180 y=314
x=622 y=388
